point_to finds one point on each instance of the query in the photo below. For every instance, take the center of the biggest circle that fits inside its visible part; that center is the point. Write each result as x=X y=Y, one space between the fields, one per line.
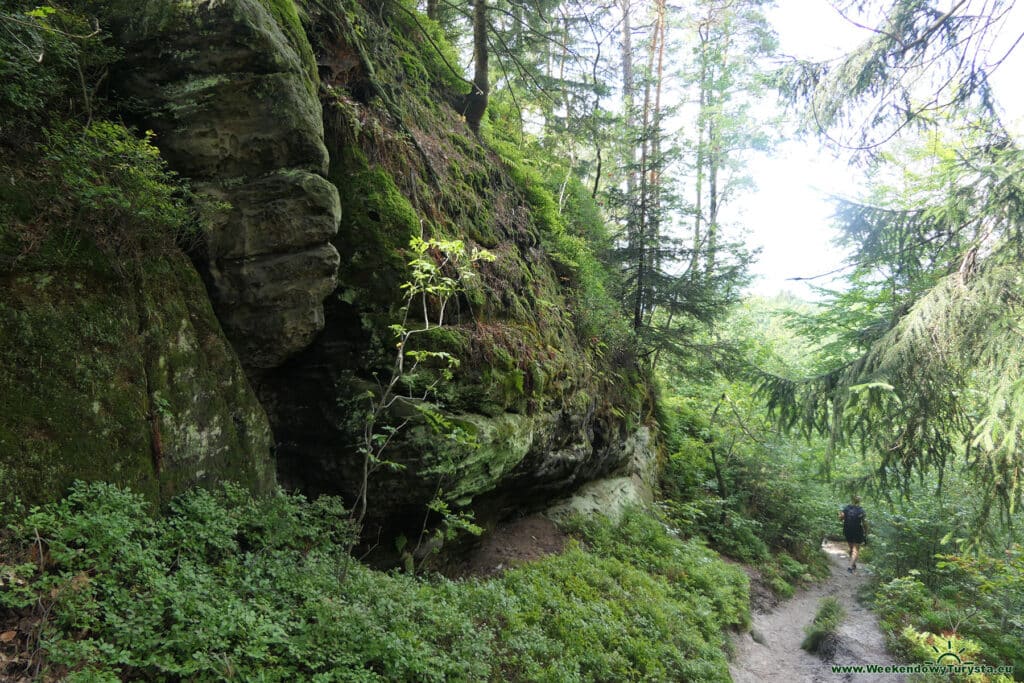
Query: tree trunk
x=702 y=113
x=628 y=95
x=656 y=141
x=476 y=100
x=646 y=209
x=714 y=164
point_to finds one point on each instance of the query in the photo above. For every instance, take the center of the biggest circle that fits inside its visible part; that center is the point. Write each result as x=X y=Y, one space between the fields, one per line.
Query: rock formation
x=130 y=382
x=292 y=137
x=230 y=89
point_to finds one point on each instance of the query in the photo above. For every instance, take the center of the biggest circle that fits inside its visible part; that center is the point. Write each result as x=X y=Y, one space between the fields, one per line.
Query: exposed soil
x=511 y=544
x=778 y=656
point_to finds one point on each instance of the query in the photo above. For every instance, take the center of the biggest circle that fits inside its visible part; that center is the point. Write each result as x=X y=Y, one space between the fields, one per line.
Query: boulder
x=230 y=88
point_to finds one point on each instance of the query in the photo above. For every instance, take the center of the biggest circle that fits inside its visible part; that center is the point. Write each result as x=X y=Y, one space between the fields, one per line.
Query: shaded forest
x=385 y=340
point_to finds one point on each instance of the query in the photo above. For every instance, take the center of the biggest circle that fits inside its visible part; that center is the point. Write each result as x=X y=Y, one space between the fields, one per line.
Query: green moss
x=501 y=443
x=505 y=388
x=87 y=359
x=430 y=56
x=452 y=340
x=376 y=224
x=213 y=428
x=527 y=329
x=72 y=388
x=287 y=17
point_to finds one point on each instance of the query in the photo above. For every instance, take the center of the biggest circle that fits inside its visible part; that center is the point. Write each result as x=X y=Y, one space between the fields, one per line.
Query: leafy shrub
x=901 y=598
x=226 y=586
x=978 y=599
x=776 y=581
x=51 y=61
x=587 y=617
x=774 y=518
x=910 y=536
x=643 y=542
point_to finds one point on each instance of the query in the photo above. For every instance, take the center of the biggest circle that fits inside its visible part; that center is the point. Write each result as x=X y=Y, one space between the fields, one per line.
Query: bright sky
x=788 y=215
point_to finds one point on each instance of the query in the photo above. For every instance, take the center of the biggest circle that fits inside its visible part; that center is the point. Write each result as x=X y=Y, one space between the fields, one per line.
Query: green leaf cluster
x=975 y=603
x=53 y=57
x=86 y=189
x=755 y=493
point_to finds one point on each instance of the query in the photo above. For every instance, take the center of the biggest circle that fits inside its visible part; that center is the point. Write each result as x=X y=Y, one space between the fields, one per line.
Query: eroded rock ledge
x=229 y=87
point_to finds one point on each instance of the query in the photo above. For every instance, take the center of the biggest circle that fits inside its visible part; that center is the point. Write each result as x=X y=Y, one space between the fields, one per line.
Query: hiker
x=855 y=529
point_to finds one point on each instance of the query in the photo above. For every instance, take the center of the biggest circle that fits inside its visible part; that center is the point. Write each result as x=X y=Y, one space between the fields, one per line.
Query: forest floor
x=778 y=656
x=771 y=650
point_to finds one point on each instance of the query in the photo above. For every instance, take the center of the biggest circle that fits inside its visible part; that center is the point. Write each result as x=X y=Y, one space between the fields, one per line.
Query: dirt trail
x=780 y=657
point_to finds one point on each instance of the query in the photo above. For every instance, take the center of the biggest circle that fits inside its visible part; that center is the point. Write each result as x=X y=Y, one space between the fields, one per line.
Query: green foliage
x=438 y=271
x=94 y=188
x=754 y=493
x=227 y=586
x=975 y=598
x=73 y=183
x=185 y=595
x=585 y=617
x=824 y=626
x=51 y=63
x=771 y=502
x=573 y=232
x=922 y=366
x=916 y=63
x=908 y=535
x=642 y=540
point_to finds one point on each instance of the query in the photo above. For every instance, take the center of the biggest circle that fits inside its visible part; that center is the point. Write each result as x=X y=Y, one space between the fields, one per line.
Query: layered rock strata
x=229 y=87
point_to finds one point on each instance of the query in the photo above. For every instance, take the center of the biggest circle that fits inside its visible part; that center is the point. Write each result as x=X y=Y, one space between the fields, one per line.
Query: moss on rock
x=106 y=379
x=231 y=89
x=537 y=405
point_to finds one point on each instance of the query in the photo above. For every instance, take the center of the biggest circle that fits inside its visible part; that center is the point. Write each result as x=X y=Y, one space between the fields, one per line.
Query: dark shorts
x=854 y=535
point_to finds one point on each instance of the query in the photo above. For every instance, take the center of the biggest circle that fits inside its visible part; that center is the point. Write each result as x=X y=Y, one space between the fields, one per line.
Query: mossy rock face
x=534 y=409
x=104 y=377
x=230 y=87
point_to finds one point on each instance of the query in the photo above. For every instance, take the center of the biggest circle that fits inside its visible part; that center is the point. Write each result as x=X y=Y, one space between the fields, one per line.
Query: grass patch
x=821 y=633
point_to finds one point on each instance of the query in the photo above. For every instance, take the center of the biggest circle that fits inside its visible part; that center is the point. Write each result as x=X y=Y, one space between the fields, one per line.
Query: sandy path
x=780 y=657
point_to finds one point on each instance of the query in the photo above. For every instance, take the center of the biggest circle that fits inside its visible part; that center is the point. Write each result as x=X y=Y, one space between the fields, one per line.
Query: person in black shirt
x=855 y=529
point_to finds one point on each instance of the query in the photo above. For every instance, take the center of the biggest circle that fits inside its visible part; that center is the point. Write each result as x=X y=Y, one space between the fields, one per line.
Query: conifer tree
x=923 y=367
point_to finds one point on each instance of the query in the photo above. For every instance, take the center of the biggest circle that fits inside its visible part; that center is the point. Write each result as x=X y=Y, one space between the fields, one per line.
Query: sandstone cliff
x=320 y=149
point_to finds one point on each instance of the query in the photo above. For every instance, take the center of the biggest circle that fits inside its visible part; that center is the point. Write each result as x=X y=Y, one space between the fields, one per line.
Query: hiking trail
x=780 y=657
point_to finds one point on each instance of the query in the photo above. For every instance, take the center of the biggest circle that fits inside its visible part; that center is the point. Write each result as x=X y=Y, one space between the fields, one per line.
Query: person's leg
x=854 y=552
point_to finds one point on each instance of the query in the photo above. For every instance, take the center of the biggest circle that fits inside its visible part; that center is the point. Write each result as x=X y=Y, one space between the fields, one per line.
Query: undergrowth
x=74 y=181
x=973 y=611
x=773 y=517
x=225 y=586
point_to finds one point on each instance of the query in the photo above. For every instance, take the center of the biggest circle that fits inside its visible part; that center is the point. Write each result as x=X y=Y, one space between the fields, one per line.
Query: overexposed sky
x=788 y=216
